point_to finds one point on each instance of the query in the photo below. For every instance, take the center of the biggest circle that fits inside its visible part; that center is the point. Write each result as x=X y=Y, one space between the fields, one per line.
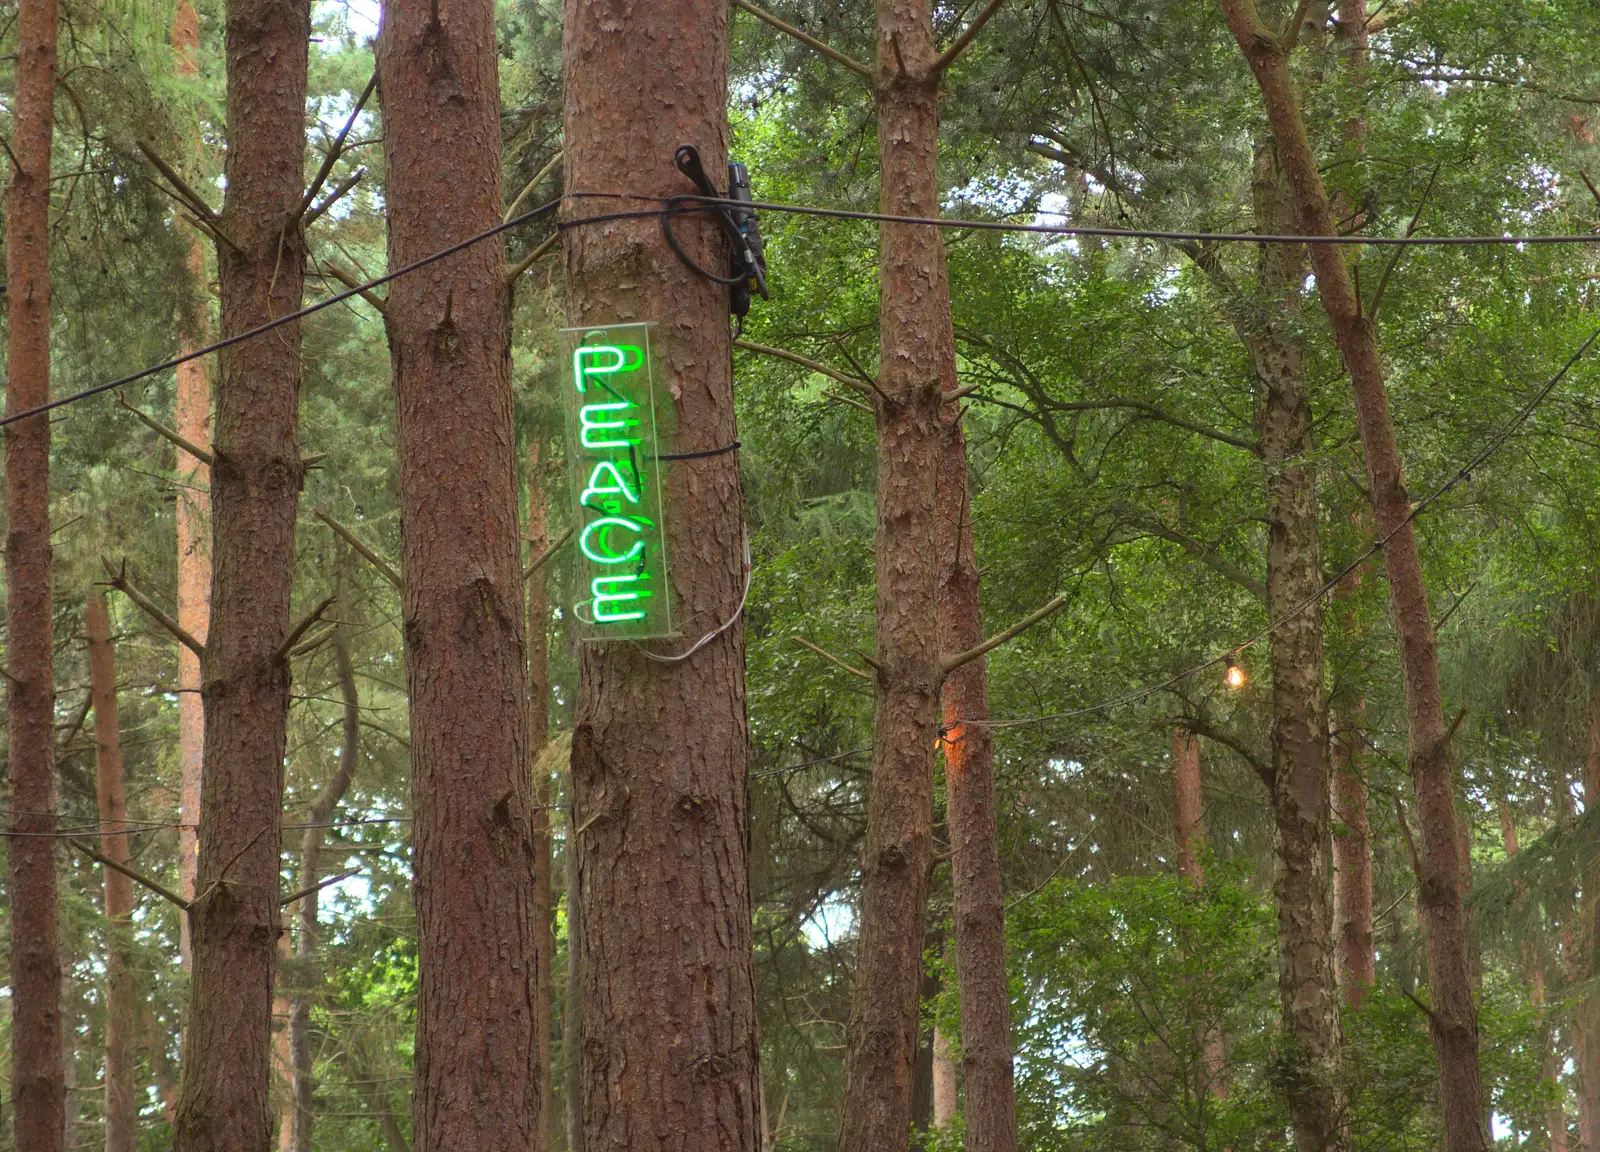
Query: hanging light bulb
x=1234 y=675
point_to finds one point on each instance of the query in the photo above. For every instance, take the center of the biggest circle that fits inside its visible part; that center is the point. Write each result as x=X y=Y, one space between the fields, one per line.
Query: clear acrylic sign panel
x=618 y=428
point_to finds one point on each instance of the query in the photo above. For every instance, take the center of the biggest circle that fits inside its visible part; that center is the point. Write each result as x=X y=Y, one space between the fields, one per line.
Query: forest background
x=1115 y=443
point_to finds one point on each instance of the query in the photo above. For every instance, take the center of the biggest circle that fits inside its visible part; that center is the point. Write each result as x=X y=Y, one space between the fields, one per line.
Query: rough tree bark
x=914 y=359
x=1269 y=326
x=572 y=1000
x=38 y=1089
x=538 y=734
x=476 y=1082
x=1188 y=829
x=970 y=806
x=660 y=751
x=192 y=422
x=1453 y=1014
x=122 y=1105
x=224 y=1103
x=1356 y=961
x=321 y=811
x=1308 y=1063
x=944 y=1080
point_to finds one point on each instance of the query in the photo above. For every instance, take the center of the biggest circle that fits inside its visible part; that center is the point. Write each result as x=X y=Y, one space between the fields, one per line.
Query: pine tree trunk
x=1453 y=1020
x=70 y=1010
x=1355 y=960
x=944 y=1080
x=1188 y=830
x=282 y=1053
x=915 y=358
x=1308 y=1064
x=970 y=805
x=37 y=1086
x=660 y=751
x=538 y=734
x=1189 y=835
x=572 y=1002
x=193 y=423
x=225 y=1100
x=1586 y=1020
x=122 y=1105
x=447 y=326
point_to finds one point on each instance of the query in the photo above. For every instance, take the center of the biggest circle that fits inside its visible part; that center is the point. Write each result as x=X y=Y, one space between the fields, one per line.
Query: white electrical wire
x=720 y=629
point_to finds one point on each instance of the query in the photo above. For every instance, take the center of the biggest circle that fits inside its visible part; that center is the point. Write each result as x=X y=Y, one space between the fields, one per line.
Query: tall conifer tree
x=477 y=1039
x=224 y=1103
x=38 y=1085
x=660 y=750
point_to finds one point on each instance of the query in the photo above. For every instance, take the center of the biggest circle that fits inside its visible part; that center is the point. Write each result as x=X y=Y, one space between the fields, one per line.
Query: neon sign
x=616 y=429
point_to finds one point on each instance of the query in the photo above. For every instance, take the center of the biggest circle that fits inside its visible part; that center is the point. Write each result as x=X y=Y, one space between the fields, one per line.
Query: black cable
x=672 y=207
x=270 y=325
x=667 y=213
x=726 y=448
x=1068 y=229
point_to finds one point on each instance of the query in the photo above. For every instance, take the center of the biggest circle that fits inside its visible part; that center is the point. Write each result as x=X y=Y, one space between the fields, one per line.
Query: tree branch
x=354 y=541
x=817 y=366
x=318 y=887
x=539 y=253
x=349 y=281
x=530 y=186
x=836 y=397
x=1291 y=34
x=1400 y=249
x=336 y=150
x=830 y=657
x=960 y=44
x=166 y=433
x=181 y=191
x=1200 y=551
x=138 y=877
x=287 y=647
x=1155 y=413
x=543 y=558
x=119 y=580
x=1050 y=609
x=1263 y=768
x=332 y=198
x=811 y=42
x=314 y=642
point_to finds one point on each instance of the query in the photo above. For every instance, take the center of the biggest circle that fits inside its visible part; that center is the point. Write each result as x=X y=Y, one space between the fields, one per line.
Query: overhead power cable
x=681 y=205
x=676 y=206
x=287 y=318
x=1462 y=473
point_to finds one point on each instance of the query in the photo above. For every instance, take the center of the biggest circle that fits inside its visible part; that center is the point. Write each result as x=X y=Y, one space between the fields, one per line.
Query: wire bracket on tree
x=749 y=261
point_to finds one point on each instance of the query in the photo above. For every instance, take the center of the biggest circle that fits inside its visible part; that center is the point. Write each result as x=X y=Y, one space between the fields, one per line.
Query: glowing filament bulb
x=1235 y=675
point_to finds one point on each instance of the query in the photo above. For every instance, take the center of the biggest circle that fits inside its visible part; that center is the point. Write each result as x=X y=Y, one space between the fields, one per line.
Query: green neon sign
x=617 y=430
